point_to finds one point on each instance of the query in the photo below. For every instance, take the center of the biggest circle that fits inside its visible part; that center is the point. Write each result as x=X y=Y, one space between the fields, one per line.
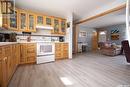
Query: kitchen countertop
x=61 y=42
x=9 y=43
x=26 y=42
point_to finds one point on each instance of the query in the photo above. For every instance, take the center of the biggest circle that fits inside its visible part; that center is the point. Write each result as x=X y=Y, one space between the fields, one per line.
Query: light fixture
x=102 y=33
x=44 y=27
x=66 y=81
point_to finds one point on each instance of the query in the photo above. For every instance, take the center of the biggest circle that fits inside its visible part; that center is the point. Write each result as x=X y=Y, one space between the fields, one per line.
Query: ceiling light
x=102 y=33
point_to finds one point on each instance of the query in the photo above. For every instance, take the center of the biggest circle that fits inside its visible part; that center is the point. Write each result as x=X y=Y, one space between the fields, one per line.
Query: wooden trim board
x=103 y=13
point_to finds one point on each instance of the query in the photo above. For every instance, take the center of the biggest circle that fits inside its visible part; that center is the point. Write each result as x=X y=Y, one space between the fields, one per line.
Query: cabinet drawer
x=65 y=48
x=31 y=55
x=65 y=52
x=58 y=50
x=58 y=44
x=31 y=58
x=31 y=51
x=31 y=45
x=22 y=60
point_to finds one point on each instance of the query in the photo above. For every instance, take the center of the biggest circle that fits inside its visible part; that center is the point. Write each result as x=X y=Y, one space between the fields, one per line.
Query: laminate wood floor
x=85 y=70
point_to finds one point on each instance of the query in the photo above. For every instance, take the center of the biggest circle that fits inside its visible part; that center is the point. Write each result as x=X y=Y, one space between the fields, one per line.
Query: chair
x=126 y=49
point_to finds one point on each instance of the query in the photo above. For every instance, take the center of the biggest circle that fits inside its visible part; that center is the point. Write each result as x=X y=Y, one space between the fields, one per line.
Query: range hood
x=44 y=27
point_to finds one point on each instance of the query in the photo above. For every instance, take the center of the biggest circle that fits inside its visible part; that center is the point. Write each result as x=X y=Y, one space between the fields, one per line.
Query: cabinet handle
x=5 y=59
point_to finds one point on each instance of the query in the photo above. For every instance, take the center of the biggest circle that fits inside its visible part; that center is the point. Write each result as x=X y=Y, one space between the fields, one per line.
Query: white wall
x=88 y=39
x=69 y=33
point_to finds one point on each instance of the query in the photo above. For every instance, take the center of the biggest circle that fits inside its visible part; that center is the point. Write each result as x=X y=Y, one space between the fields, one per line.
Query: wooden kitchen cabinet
x=1 y=74
x=13 y=20
x=1 y=71
x=3 y=68
x=62 y=27
x=23 y=20
x=28 y=53
x=48 y=21
x=40 y=20
x=23 y=53
x=15 y=56
x=8 y=55
x=56 y=26
x=9 y=60
x=31 y=53
x=61 y=51
x=4 y=77
x=27 y=21
x=31 y=22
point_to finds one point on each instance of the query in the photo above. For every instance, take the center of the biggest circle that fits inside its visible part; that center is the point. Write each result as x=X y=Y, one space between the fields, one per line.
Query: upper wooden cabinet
x=48 y=21
x=31 y=22
x=40 y=20
x=13 y=21
x=56 y=26
x=22 y=20
x=27 y=21
x=59 y=26
x=63 y=27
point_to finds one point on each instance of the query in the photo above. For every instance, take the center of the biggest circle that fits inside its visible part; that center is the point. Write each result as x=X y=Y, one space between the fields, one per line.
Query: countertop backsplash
x=38 y=38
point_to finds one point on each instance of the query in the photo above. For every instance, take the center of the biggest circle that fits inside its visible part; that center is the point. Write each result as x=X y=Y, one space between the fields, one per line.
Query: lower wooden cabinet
x=28 y=53
x=10 y=55
x=61 y=51
x=1 y=74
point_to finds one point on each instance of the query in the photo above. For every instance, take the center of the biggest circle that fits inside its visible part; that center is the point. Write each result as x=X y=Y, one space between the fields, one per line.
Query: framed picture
x=115 y=35
x=82 y=34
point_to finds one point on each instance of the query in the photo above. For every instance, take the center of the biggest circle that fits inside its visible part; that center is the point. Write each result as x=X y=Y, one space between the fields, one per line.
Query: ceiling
x=117 y=17
x=62 y=8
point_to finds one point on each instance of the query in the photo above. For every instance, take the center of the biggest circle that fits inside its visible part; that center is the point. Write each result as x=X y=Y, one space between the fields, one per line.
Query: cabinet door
x=23 y=20
x=17 y=54
x=31 y=22
x=63 y=27
x=61 y=51
x=40 y=20
x=4 y=72
x=31 y=53
x=1 y=74
x=58 y=52
x=1 y=71
x=65 y=50
x=13 y=21
x=8 y=55
x=23 y=53
x=56 y=26
x=14 y=58
x=49 y=21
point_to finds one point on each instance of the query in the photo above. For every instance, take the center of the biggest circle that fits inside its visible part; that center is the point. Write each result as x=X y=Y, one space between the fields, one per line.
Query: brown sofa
x=109 y=49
